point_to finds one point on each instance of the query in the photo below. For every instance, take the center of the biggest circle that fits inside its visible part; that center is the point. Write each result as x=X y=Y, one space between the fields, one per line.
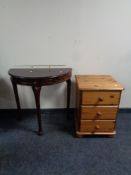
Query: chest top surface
x=97 y=82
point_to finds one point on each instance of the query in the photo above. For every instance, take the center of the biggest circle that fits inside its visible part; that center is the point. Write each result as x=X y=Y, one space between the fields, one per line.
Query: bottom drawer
x=97 y=126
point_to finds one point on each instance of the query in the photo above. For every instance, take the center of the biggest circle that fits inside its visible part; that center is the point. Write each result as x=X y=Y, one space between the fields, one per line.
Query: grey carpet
x=58 y=152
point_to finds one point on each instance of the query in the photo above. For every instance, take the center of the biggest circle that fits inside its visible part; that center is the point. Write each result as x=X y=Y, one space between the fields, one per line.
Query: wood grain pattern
x=97 y=126
x=100 y=97
x=97 y=103
x=97 y=82
x=97 y=113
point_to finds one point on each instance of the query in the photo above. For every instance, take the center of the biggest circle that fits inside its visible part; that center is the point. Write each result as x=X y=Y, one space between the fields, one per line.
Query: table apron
x=39 y=82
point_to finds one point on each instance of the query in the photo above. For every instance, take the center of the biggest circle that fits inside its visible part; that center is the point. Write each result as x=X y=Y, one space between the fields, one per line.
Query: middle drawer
x=98 y=112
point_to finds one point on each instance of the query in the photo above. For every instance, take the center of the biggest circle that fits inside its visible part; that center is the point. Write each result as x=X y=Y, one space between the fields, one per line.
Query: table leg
x=36 y=90
x=68 y=96
x=14 y=84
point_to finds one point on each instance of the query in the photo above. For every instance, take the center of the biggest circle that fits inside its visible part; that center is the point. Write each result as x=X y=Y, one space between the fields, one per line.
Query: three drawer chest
x=97 y=104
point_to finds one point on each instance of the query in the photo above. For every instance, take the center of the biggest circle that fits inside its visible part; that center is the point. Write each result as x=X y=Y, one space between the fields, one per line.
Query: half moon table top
x=42 y=76
x=39 y=72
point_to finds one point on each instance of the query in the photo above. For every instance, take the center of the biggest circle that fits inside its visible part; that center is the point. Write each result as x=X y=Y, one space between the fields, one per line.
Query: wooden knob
x=112 y=96
x=99 y=113
x=100 y=99
x=97 y=126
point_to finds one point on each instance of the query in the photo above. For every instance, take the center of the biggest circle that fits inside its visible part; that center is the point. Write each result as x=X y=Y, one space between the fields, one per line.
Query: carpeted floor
x=58 y=152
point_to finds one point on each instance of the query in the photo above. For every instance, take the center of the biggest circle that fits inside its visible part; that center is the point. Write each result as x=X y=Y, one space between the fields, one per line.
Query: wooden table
x=36 y=78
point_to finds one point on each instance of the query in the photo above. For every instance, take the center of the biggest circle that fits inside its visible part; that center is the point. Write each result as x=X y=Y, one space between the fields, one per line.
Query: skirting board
x=72 y=110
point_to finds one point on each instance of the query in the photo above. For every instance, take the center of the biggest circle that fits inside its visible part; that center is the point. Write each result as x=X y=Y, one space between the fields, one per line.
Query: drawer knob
x=112 y=96
x=100 y=99
x=97 y=126
x=99 y=113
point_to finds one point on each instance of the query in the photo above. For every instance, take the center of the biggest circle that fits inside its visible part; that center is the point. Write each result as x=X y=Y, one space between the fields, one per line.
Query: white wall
x=91 y=36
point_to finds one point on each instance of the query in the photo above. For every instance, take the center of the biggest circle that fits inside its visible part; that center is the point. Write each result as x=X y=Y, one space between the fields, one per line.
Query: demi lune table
x=36 y=78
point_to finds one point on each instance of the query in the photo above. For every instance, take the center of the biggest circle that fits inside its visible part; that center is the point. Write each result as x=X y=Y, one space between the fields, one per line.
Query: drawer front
x=97 y=113
x=100 y=97
x=97 y=126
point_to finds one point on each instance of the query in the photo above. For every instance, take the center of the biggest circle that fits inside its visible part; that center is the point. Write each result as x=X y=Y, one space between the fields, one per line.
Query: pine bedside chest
x=97 y=103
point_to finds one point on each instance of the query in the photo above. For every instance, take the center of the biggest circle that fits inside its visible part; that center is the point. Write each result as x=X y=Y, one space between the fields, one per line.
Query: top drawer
x=100 y=97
